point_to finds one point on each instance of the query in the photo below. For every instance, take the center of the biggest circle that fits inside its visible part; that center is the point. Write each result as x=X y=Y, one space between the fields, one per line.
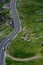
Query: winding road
x=16 y=30
x=4 y=43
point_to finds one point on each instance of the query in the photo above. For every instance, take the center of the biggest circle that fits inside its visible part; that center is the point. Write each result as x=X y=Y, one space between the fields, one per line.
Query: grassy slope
x=21 y=48
x=33 y=62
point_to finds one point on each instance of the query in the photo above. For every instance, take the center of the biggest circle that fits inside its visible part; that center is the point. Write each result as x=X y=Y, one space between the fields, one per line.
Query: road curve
x=4 y=43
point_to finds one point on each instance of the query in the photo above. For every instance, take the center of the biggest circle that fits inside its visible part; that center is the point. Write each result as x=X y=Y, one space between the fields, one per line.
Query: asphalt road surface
x=4 y=43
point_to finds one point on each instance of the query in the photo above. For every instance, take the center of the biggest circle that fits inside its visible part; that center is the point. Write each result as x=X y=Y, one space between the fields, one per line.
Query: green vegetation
x=4 y=15
x=28 y=41
x=24 y=49
x=1 y=5
x=32 y=62
x=6 y=31
x=39 y=1
x=4 y=2
x=5 y=18
x=41 y=51
x=7 y=1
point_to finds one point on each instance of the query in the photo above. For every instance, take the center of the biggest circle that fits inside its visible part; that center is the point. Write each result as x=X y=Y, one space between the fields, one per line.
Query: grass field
x=29 y=41
x=6 y=31
x=32 y=62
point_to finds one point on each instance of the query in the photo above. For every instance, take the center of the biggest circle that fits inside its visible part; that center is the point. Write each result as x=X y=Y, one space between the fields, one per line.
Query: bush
x=21 y=54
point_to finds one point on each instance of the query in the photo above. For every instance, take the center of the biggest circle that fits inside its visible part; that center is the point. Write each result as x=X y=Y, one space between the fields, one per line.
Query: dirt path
x=23 y=59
